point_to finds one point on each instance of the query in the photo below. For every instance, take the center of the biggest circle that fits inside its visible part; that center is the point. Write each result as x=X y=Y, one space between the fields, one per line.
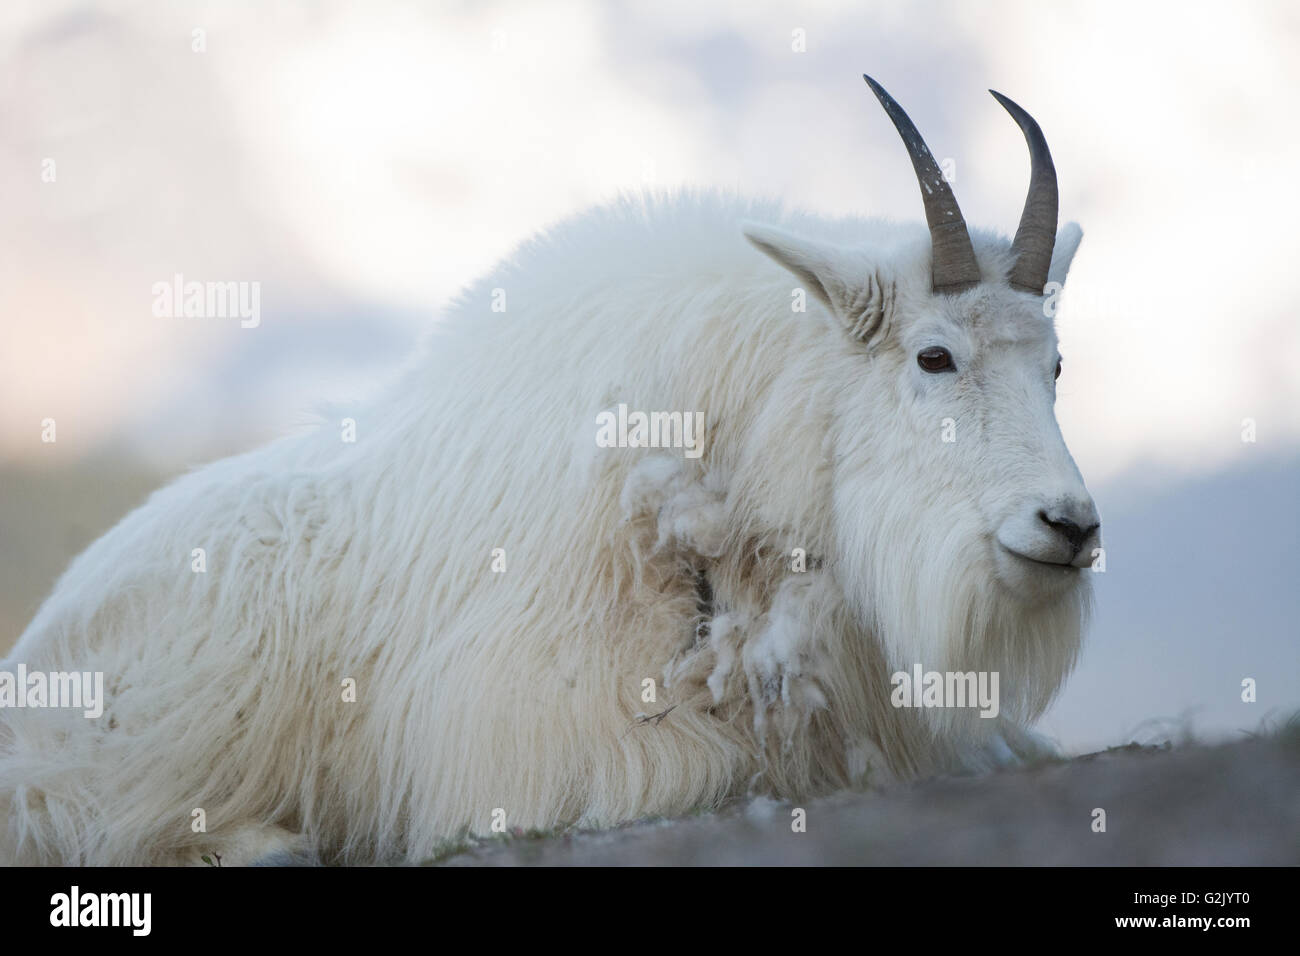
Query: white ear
x=816 y=264
x=845 y=280
x=1067 y=243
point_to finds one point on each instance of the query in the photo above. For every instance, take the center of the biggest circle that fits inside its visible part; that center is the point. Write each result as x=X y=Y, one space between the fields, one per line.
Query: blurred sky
x=363 y=161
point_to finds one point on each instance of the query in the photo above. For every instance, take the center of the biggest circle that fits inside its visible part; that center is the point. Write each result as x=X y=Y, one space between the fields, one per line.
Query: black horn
x=1031 y=251
x=954 y=267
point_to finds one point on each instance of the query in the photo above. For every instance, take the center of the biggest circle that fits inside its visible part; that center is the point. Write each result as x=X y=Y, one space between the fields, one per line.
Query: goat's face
x=945 y=434
x=971 y=380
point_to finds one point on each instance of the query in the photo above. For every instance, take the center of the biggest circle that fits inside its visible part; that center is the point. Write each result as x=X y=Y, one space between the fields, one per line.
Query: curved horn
x=1031 y=250
x=954 y=267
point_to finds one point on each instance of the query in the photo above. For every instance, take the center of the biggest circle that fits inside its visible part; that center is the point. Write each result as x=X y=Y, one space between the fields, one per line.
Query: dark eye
x=1058 y=369
x=935 y=360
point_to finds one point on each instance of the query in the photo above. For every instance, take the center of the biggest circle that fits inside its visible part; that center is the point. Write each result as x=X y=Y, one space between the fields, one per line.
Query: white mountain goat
x=475 y=616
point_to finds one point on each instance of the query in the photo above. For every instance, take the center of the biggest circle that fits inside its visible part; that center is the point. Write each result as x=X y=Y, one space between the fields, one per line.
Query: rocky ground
x=1234 y=804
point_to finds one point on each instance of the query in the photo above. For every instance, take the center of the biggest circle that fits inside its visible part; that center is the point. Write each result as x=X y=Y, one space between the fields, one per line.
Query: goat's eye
x=1058 y=369
x=935 y=360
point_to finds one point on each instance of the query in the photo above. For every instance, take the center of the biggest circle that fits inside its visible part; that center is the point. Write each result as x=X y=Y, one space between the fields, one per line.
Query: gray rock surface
x=1235 y=804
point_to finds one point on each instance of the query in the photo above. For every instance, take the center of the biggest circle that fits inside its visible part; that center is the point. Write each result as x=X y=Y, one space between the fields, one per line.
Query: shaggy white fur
x=518 y=691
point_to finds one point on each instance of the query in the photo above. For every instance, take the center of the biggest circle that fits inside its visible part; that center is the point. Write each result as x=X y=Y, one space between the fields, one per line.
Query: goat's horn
x=1031 y=251
x=954 y=267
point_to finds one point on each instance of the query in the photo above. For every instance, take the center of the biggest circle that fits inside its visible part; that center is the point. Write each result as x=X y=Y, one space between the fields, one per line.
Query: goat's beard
x=931 y=597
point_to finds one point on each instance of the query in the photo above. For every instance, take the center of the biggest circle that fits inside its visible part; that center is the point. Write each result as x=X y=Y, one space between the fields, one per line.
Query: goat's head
x=949 y=463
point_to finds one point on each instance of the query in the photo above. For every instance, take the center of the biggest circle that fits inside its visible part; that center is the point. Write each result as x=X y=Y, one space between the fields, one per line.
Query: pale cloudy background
x=365 y=160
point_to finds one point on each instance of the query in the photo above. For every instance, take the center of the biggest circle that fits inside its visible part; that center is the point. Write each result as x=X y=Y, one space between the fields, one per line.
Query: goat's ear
x=843 y=280
x=816 y=264
x=1067 y=243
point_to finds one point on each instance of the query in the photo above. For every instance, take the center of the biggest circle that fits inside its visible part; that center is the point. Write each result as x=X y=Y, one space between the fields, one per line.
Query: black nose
x=1068 y=530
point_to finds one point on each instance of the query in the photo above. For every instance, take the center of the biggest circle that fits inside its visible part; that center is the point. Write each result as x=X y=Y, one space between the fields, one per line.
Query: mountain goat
x=513 y=603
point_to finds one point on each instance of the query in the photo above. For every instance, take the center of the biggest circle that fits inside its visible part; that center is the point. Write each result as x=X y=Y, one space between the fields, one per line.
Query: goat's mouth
x=1060 y=565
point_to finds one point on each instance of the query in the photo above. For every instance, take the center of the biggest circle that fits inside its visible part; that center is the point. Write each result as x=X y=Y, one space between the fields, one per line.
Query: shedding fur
x=520 y=691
